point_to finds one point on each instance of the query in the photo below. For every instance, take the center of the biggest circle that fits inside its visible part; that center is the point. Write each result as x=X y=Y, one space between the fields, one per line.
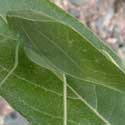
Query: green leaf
x=105 y=102
x=67 y=50
x=38 y=94
x=58 y=14
x=35 y=91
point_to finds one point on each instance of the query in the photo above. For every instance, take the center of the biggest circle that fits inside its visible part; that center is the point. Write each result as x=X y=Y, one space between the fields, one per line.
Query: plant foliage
x=42 y=49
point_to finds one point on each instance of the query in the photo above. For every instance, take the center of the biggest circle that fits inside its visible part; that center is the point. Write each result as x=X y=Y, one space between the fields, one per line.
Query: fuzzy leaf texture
x=38 y=44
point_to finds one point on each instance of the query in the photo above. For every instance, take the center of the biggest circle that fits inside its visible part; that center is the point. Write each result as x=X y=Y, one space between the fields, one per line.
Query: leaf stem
x=65 y=99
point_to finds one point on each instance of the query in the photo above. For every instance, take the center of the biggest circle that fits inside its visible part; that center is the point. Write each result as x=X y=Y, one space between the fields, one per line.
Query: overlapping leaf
x=67 y=50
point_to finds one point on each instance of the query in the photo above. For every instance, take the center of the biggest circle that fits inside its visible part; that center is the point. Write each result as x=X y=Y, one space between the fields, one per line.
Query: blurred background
x=105 y=17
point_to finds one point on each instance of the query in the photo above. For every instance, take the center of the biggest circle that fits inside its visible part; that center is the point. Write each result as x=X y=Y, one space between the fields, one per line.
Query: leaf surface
x=37 y=93
x=106 y=103
x=67 y=50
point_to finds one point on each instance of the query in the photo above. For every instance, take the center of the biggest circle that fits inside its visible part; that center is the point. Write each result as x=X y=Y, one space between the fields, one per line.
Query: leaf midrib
x=43 y=112
x=74 y=91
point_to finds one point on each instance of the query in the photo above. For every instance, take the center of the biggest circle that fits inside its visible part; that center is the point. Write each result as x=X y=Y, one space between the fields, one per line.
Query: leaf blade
x=70 y=53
